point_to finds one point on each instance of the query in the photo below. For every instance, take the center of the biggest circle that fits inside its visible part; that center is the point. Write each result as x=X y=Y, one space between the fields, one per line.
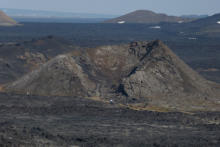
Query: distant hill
x=211 y=20
x=6 y=20
x=209 y=25
x=145 y=16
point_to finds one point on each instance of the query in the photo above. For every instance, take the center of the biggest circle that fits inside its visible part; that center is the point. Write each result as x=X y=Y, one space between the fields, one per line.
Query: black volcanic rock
x=145 y=16
x=147 y=73
x=160 y=73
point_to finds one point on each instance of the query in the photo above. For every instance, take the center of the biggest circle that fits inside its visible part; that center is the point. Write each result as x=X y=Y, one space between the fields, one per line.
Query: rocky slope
x=141 y=74
x=17 y=59
x=6 y=20
x=145 y=16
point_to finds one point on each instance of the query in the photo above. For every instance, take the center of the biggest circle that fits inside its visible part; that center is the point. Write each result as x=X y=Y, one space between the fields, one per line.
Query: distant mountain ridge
x=6 y=20
x=214 y=19
x=195 y=16
x=209 y=25
x=146 y=16
x=55 y=14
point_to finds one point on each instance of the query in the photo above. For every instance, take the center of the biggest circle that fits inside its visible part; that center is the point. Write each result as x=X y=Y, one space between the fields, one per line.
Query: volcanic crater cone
x=141 y=74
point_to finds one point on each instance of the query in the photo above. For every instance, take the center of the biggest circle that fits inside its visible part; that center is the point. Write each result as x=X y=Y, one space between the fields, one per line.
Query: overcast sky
x=118 y=7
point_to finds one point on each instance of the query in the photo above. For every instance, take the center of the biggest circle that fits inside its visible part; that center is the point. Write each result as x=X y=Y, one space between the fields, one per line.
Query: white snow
x=218 y=22
x=192 y=38
x=180 y=21
x=155 y=27
x=121 y=22
x=111 y=101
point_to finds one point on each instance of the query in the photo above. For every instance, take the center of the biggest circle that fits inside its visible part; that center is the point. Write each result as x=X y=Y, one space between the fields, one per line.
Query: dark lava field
x=28 y=119
x=68 y=121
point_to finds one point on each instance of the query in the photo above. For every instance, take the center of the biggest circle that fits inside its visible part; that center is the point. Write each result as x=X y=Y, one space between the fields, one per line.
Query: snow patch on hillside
x=121 y=22
x=155 y=27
